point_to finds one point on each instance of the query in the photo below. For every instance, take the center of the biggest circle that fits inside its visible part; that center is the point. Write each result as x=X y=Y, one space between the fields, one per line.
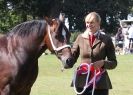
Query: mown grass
x=51 y=81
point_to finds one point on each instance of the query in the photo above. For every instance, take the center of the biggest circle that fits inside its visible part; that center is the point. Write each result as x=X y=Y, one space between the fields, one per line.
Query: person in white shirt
x=130 y=36
x=126 y=40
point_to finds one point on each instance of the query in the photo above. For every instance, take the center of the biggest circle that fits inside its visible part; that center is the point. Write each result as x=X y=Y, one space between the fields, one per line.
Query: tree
x=22 y=10
x=110 y=11
x=7 y=17
x=36 y=8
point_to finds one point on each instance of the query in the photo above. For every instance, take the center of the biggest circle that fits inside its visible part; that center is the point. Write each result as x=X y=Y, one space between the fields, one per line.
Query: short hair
x=95 y=15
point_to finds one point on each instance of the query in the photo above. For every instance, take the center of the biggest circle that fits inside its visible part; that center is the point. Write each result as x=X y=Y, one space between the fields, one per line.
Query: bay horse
x=21 y=47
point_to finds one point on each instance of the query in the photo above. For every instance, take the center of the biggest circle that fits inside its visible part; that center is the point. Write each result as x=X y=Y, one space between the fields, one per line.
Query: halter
x=58 y=48
x=54 y=48
x=87 y=84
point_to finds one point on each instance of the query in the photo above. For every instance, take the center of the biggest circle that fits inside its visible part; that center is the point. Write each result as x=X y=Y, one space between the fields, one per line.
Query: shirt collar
x=87 y=33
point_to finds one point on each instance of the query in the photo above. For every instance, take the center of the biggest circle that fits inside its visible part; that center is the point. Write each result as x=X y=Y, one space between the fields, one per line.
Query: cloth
x=130 y=32
x=83 y=69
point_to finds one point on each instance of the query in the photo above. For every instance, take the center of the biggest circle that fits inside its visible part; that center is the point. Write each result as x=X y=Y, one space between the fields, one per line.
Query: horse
x=21 y=47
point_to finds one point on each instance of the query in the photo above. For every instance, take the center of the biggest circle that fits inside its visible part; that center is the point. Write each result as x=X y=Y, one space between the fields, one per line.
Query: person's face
x=92 y=24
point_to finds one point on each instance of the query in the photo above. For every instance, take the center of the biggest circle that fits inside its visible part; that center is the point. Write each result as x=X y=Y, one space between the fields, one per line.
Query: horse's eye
x=60 y=37
x=56 y=36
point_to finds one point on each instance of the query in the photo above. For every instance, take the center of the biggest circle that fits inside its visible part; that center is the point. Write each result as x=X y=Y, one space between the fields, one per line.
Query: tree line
x=13 y=12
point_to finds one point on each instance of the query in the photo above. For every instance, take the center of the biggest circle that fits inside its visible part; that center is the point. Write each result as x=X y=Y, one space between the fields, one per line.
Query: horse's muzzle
x=69 y=63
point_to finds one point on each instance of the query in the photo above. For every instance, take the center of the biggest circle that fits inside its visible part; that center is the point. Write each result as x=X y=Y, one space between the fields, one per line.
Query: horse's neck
x=34 y=48
x=14 y=44
x=20 y=51
x=3 y=41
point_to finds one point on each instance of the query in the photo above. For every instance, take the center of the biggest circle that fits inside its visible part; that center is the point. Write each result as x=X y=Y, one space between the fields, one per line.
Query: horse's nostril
x=70 y=62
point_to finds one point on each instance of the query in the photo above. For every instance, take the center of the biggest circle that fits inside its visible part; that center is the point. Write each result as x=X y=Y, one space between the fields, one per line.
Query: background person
x=98 y=50
x=119 y=40
x=130 y=36
x=126 y=40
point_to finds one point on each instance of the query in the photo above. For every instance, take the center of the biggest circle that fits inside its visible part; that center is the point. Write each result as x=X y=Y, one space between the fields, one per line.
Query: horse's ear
x=48 y=20
x=62 y=17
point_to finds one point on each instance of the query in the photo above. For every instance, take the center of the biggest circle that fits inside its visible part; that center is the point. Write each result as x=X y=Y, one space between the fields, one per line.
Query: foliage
x=74 y=36
x=13 y=12
x=7 y=17
x=110 y=11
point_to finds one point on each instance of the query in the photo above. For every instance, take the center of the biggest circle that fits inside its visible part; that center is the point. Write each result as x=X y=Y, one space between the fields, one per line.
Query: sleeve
x=75 y=49
x=111 y=61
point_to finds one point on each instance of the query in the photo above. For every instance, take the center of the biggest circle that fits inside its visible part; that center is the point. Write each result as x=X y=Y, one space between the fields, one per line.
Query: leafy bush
x=74 y=36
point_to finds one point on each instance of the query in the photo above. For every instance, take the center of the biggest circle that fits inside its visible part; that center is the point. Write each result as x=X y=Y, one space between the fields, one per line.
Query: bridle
x=56 y=49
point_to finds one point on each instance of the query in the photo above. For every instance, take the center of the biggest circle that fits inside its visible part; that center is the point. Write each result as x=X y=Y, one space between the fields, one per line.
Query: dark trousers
x=88 y=91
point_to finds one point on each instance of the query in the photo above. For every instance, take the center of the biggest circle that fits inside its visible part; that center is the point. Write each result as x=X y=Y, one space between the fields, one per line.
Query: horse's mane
x=25 y=28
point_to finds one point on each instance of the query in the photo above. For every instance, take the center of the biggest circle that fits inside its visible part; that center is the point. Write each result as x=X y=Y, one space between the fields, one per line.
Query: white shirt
x=130 y=31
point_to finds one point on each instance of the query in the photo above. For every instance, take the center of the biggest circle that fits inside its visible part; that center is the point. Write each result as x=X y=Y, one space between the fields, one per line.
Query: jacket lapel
x=97 y=39
x=96 y=42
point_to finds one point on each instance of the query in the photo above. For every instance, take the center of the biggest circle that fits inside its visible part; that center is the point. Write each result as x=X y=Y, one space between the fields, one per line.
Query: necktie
x=92 y=38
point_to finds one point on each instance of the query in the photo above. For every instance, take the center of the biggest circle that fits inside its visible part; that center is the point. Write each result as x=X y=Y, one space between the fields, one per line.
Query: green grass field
x=51 y=81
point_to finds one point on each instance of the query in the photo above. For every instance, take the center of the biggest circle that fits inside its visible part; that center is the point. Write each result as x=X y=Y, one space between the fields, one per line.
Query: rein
x=87 y=82
x=54 y=48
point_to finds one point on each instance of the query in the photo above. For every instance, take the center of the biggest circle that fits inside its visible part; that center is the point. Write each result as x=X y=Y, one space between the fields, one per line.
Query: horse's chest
x=27 y=74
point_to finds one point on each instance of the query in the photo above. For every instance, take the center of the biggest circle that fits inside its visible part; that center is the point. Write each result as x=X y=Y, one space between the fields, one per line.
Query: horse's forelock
x=62 y=26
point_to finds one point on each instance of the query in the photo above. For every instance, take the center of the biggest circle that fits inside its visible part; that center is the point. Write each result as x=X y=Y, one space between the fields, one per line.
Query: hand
x=98 y=64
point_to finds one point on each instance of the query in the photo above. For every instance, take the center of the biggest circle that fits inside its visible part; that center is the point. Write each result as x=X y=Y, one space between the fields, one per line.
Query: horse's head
x=57 y=41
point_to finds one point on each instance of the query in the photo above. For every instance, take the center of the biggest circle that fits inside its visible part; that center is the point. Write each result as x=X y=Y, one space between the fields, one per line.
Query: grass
x=51 y=81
